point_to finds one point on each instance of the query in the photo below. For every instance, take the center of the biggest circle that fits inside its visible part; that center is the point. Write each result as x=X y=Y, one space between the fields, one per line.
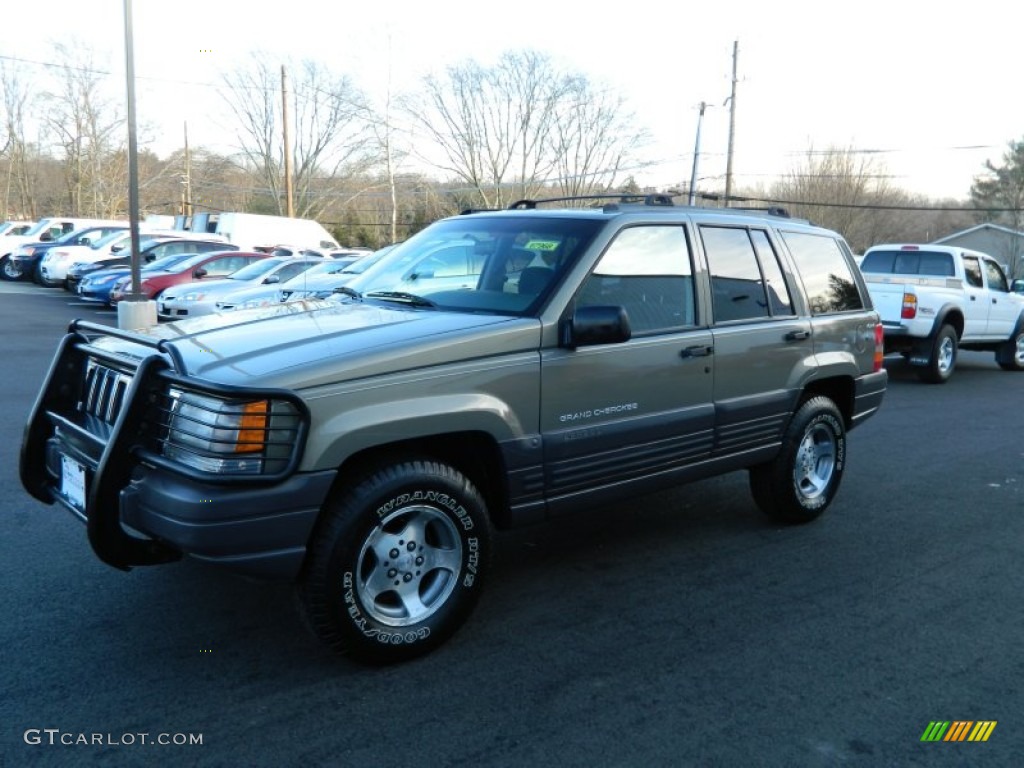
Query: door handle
x=797 y=335
x=698 y=351
x=974 y=298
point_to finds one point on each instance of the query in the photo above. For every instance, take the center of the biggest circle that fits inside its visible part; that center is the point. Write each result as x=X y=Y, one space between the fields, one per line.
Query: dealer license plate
x=72 y=482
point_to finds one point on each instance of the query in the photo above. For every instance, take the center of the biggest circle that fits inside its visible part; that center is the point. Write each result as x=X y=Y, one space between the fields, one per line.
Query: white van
x=250 y=231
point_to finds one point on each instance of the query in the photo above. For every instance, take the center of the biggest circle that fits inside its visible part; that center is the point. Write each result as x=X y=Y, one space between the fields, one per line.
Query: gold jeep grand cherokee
x=498 y=368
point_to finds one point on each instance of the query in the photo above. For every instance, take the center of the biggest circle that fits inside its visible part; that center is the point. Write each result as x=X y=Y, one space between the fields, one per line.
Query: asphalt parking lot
x=680 y=629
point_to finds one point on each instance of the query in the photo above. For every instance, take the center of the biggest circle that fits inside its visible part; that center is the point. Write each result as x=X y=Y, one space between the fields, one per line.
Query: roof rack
x=621 y=197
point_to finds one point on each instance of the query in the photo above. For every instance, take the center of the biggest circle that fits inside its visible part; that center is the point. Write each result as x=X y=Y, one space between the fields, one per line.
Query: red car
x=215 y=264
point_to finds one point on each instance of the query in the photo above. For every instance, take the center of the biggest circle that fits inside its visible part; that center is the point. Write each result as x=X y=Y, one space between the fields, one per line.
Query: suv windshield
x=480 y=263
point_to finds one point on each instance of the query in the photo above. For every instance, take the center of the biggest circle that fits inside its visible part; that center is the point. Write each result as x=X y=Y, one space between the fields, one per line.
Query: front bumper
x=139 y=507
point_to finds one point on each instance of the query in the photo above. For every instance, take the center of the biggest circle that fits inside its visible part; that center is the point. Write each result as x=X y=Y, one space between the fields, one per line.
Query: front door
x=611 y=413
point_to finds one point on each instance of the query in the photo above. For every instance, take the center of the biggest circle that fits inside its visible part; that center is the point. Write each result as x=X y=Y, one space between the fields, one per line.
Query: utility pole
x=290 y=206
x=732 y=123
x=696 y=156
x=186 y=195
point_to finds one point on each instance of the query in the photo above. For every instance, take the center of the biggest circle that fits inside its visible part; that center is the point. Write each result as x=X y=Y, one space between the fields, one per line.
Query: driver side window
x=646 y=270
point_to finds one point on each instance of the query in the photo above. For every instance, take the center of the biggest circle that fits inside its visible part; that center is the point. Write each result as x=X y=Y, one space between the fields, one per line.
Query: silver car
x=200 y=298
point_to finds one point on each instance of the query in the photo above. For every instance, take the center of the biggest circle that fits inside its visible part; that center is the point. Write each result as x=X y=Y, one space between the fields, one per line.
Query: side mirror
x=200 y=273
x=85 y=240
x=271 y=279
x=45 y=237
x=596 y=325
x=117 y=248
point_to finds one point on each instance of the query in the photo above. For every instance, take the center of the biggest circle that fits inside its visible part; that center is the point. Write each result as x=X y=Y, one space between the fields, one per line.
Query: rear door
x=760 y=343
x=978 y=304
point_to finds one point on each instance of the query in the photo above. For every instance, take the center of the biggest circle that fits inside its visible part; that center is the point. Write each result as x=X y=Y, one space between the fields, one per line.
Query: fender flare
x=940 y=320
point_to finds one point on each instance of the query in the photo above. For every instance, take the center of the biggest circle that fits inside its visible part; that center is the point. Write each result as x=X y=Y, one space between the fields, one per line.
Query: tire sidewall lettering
x=839 y=434
x=351 y=608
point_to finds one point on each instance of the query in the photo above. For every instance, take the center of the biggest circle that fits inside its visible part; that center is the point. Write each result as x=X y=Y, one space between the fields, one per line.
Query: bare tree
x=595 y=138
x=330 y=141
x=520 y=127
x=89 y=129
x=492 y=128
x=20 y=182
x=844 y=190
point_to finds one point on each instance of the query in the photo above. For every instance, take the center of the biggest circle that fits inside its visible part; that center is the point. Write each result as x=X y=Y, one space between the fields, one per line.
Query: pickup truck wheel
x=1010 y=355
x=803 y=479
x=9 y=269
x=942 y=359
x=396 y=563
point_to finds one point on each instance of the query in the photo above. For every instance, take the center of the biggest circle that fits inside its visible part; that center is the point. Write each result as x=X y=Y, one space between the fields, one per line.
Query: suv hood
x=306 y=344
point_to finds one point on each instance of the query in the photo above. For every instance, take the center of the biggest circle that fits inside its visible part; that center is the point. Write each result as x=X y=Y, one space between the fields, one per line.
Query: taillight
x=879 y=347
x=909 y=311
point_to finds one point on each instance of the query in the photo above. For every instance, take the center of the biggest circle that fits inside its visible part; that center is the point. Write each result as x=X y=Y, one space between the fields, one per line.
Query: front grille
x=105 y=389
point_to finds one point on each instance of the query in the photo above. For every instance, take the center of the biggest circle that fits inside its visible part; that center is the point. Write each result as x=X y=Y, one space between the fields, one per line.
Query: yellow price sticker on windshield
x=541 y=245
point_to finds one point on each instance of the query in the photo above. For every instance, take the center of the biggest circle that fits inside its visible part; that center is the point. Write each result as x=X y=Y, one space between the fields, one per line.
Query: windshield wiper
x=346 y=291
x=402 y=296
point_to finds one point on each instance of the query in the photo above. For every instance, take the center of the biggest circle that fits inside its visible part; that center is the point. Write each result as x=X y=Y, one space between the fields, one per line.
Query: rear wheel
x=397 y=562
x=800 y=483
x=942 y=358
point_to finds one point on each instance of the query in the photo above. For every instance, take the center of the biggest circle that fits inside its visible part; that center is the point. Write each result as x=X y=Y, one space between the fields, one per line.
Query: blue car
x=23 y=263
x=96 y=286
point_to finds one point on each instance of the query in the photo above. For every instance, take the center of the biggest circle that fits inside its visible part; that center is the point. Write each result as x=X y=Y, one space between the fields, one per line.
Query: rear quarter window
x=825 y=272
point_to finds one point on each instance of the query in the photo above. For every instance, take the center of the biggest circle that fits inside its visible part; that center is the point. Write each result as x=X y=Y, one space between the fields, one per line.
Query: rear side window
x=972 y=272
x=746 y=280
x=826 y=273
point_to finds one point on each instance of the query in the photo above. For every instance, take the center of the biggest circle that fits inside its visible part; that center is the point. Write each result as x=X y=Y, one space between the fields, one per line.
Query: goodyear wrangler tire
x=803 y=479
x=397 y=563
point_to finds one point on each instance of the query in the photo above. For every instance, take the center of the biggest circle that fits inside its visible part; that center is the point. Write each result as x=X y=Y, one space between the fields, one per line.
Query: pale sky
x=932 y=88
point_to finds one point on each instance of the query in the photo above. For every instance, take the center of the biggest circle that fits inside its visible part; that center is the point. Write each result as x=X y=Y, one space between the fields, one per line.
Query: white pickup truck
x=936 y=299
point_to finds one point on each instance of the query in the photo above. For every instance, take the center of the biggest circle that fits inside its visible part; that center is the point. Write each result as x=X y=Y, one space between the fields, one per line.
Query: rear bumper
x=869 y=391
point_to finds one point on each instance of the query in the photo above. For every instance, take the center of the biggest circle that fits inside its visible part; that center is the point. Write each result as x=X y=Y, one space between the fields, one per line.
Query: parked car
x=194 y=299
x=201 y=266
x=96 y=286
x=935 y=300
x=320 y=282
x=152 y=247
x=366 y=449
x=53 y=266
x=15 y=227
x=321 y=279
x=23 y=261
x=46 y=231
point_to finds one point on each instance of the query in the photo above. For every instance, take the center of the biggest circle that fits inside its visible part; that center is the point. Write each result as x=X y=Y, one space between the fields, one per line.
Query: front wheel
x=942 y=358
x=10 y=269
x=800 y=483
x=1010 y=355
x=397 y=562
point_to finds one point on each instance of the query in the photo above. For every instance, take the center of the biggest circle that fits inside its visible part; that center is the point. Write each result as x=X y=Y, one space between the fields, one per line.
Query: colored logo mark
x=959 y=730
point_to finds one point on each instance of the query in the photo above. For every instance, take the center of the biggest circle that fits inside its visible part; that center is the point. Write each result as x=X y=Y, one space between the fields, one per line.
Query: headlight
x=194 y=296
x=230 y=437
x=252 y=303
